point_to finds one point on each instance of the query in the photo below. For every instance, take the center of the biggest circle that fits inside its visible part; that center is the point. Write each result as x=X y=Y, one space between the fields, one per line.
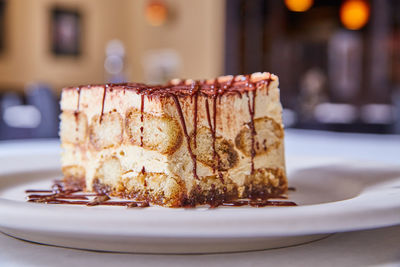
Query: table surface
x=362 y=248
x=359 y=248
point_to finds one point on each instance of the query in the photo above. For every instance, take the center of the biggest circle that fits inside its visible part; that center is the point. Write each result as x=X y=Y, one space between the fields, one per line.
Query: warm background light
x=156 y=13
x=354 y=14
x=299 y=5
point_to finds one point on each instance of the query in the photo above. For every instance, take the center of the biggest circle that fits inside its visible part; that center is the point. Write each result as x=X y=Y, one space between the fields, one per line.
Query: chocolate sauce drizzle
x=76 y=112
x=212 y=125
x=238 y=85
x=182 y=119
x=103 y=101
x=214 y=129
x=196 y=96
x=78 y=90
x=259 y=203
x=141 y=119
x=251 y=105
x=74 y=196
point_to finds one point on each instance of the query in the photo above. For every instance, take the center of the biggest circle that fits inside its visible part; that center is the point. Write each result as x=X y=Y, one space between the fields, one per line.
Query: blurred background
x=338 y=60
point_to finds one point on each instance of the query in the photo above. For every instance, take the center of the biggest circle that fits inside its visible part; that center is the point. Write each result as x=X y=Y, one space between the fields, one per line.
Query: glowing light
x=299 y=5
x=156 y=13
x=354 y=14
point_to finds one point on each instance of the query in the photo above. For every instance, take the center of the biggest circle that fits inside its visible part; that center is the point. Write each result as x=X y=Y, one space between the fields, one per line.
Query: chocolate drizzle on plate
x=259 y=203
x=75 y=196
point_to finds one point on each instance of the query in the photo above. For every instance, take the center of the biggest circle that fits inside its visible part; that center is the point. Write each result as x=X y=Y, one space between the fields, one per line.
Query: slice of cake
x=181 y=144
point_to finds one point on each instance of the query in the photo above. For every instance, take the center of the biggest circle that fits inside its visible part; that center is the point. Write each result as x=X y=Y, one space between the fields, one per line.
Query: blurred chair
x=12 y=118
x=36 y=118
x=43 y=99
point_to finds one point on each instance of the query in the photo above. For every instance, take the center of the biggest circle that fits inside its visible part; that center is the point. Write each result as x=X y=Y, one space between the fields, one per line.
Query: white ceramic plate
x=333 y=196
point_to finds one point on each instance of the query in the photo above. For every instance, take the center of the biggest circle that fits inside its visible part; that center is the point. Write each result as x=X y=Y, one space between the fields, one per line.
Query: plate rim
x=259 y=217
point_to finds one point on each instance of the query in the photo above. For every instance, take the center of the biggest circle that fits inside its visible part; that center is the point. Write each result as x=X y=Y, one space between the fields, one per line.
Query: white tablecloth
x=363 y=248
x=360 y=248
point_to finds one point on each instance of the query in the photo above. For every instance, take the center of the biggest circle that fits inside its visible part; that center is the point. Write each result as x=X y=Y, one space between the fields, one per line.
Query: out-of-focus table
x=359 y=248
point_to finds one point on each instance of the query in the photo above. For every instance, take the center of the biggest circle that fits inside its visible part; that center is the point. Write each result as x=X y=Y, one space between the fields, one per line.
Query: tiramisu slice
x=181 y=144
